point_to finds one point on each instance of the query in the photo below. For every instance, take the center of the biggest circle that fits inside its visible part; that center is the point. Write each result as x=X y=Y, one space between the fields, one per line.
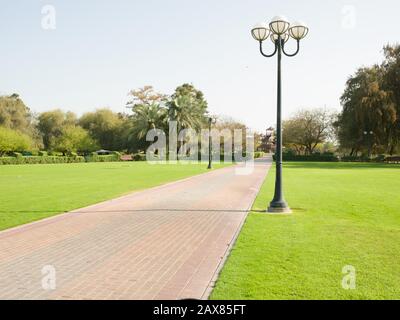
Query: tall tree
x=188 y=108
x=148 y=113
x=105 y=127
x=14 y=114
x=367 y=107
x=51 y=123
x=391 y=83
x=306 y=129
x=74 y=139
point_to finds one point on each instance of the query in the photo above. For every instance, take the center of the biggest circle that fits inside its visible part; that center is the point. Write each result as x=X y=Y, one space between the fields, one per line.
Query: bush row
x=313 y=157
x=43 y=158
x=94 y=157
x=40 y=160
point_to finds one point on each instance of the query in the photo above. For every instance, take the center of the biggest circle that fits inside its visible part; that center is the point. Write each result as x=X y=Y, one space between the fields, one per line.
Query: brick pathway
x=166 y=242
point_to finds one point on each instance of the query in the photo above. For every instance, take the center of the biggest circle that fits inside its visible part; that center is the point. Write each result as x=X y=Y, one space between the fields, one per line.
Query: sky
x=82 y=55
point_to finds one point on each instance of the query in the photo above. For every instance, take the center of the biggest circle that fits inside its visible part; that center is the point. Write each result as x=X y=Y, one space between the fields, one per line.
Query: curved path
x=167 y=242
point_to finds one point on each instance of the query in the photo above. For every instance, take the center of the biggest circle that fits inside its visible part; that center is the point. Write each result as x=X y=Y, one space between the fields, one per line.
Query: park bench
x=126 y=157
x=393 y=159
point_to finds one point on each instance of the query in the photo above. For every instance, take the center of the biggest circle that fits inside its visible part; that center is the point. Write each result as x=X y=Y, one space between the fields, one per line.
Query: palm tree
x=145 y=118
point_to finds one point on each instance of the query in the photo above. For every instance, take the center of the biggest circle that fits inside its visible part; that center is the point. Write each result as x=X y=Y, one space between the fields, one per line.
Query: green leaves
x=12 y=140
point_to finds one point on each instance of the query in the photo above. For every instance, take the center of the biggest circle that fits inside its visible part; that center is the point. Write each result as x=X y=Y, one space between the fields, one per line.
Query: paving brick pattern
x=166 y=242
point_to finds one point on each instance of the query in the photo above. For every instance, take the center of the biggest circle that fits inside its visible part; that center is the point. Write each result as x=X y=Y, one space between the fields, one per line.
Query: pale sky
x=99 y=50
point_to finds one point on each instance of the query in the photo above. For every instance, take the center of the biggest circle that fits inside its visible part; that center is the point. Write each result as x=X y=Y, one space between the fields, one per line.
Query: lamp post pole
x=278 y=203
x=280 y=30
x=210 y=120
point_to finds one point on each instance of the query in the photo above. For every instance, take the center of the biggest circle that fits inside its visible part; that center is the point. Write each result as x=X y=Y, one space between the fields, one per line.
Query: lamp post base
x=279 y=208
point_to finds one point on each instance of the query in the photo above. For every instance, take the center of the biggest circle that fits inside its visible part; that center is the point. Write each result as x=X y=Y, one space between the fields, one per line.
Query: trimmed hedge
x=313 y=157
x=40 y=160
x=106 y=158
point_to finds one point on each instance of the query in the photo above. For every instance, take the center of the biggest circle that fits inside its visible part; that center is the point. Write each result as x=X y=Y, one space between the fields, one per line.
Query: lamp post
x=369 y=135
x=211 y=121
x=279 y=31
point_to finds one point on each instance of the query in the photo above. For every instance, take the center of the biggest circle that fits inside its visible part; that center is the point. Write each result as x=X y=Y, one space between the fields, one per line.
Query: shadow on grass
x=340 y=165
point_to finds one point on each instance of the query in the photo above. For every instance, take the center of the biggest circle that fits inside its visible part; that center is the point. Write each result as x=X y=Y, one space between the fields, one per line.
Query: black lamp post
x=280 y=31
x=369 y=135
x=211 y=121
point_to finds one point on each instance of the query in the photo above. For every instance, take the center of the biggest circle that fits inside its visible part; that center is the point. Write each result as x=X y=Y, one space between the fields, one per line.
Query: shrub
x=139 y=157
x=40 y=160
x=94 y=157
x=43 y=154
x=328 y=157
x=355 y=159
x=11 y=140
x=258 y=154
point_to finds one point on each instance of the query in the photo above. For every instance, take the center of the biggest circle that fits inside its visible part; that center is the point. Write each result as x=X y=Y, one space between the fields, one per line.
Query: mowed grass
x=344 y=214
x=33 y=192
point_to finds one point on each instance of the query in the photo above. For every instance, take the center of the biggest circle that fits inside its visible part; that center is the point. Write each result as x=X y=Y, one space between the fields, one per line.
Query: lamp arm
x=292 y=54
x=268 y=55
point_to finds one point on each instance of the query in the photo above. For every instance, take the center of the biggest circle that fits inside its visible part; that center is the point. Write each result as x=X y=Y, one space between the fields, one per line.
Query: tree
x=14 y=114
x=188 y=108
x=307 y=129
x=148 y=113
x=74 y=139
x=371 y=103
x=145 y=118
x=51 y=123
x=229 y=124
x=391 y=83
x=13 y=140
x=145 y=96
x=106 y=127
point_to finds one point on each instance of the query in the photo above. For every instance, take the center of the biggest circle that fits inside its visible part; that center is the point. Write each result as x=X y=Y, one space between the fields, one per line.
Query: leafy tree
x=391 y=83
x=229 y=124
x=74 y=139
x=371 y=103
x=188 y=108
x=307 y=129
x=14 y=114
x=145 y=96
x=148 y=113
x=51 y=124
x=13 y=140
x=105 y=126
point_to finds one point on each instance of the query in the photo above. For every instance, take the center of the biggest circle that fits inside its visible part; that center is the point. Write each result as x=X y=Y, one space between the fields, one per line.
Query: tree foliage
x=371 y=104
x=13 y=141
x=51 y=124
x=106 y=127
x=74 y=139
x=306 y=129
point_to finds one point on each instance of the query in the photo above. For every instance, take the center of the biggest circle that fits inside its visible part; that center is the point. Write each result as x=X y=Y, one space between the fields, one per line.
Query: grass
x=33 y=192
x=344 y=214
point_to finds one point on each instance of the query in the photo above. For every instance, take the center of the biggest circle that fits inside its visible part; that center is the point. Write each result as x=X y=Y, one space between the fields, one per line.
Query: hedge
x=40 y=160
x=313 y=157
x=94 y=157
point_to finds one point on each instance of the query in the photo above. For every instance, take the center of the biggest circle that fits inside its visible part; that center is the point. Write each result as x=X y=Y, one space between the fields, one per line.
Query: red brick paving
x=162 y=243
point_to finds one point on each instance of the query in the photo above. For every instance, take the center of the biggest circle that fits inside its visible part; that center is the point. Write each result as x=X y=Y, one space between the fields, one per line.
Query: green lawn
x=344 y=214
x=33 y=192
